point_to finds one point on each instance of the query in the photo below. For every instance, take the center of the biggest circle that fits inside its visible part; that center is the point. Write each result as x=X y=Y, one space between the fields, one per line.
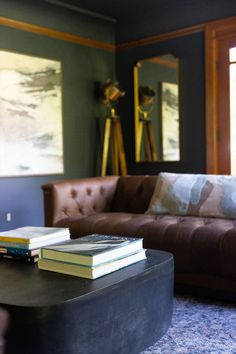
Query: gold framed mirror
x=156 y=107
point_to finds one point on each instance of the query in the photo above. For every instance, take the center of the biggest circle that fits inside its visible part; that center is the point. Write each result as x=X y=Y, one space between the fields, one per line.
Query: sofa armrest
x=68 y=200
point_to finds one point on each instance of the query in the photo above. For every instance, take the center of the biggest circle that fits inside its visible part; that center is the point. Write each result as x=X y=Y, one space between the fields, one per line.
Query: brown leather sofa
x=204 y=248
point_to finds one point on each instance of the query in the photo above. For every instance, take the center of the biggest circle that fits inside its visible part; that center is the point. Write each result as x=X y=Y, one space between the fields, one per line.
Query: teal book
x=92 y=250
x=16 y=251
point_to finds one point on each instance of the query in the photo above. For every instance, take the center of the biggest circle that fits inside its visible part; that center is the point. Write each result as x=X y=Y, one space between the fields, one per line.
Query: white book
x=32 y=234
x=93 y=249
x=91 y=272
x=35 y=245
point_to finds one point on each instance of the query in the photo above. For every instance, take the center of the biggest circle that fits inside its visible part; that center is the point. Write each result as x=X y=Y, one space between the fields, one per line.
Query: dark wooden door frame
x=219 y=37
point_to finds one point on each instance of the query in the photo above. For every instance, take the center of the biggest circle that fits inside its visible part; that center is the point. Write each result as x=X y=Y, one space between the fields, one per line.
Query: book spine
x=25 y=259
x=14 y=239
x=33 y=246
x=18 y=251
x=14 y=245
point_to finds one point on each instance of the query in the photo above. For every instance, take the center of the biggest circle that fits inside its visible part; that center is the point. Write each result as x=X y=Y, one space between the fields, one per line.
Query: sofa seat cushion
x=110 y=223
x=199 y=244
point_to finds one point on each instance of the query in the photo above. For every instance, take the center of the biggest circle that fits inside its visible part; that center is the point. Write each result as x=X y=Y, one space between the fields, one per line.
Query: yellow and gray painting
x=31 y=140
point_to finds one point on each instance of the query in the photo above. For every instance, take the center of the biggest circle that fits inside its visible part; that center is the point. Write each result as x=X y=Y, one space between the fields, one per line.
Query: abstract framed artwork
x=170 y=121
x=31 y=131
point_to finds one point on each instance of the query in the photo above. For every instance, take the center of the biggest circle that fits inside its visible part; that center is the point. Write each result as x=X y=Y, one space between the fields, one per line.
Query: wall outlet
x=8 y=216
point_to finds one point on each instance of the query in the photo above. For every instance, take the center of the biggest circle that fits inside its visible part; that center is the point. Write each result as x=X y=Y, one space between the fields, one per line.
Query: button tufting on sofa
x=89 y=191
x=64 y=211
x=74 y=193
x=102 y=190
x=204 y=248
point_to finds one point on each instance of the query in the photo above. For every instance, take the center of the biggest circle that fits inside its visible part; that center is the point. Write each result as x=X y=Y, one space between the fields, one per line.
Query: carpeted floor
x=199 y=326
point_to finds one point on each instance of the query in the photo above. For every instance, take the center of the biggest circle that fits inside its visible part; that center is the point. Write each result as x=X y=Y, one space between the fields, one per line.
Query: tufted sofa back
x=68 y=200
x=133 y=194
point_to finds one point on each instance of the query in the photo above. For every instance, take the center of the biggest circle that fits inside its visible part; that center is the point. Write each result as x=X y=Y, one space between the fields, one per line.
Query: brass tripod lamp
x=146 y=95
x=146 y=132
x=111 y=92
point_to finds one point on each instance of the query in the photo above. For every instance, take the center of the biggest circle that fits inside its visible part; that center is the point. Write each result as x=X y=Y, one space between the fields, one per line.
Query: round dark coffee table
x=123 y=312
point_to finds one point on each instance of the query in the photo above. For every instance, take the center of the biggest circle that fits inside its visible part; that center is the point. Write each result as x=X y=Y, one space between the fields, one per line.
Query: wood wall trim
x=56 y=34
x=210 y=97
x=221 y=27
x=161 y=37
x=214 y=33
x=4 y=21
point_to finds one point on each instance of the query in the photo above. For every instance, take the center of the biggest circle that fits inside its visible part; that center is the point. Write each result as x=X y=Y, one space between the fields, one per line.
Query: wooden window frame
x=218 y=36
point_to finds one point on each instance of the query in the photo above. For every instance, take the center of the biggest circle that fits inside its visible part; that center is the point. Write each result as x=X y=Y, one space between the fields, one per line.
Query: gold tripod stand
x=113 y=135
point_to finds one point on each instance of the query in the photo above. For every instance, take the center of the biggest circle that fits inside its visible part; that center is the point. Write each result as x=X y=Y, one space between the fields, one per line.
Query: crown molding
x=161 y=37
x=24 y=26
x=56 y=34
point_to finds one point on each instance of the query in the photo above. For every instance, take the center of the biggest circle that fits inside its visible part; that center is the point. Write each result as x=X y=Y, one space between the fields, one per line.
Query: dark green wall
x=83 y=69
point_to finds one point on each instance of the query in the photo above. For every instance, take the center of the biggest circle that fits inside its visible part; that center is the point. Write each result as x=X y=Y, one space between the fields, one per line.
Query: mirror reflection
x=156 y=99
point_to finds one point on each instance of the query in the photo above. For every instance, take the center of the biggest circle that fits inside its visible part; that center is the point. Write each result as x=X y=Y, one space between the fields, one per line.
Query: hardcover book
x=21 y=258
x=91 y=272
x=31 y=234
x=34 y=245
x=19 y=251
x=92 y=250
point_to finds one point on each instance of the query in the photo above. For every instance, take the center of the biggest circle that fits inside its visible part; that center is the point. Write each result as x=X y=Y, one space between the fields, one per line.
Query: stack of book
x=24 y=243
x=91 y=256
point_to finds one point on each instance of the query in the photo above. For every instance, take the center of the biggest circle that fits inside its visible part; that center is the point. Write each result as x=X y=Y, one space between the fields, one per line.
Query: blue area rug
x=199 y=326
